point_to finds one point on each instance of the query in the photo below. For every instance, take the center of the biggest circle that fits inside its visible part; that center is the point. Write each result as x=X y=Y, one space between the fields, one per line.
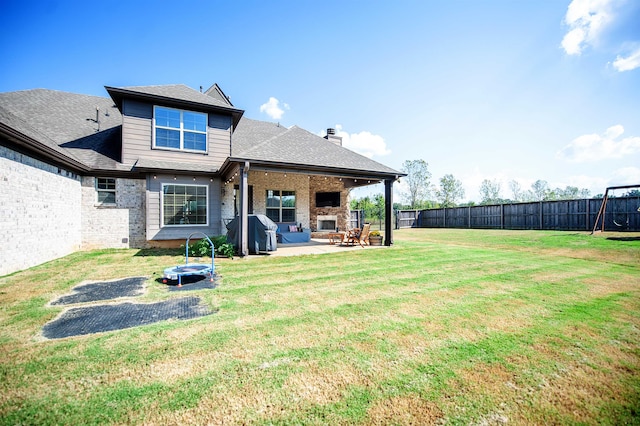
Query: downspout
x=243 y=234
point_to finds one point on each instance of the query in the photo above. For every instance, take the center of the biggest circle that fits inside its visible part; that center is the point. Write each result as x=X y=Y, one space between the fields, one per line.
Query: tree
x=490 y=192
x=585 y=193
x=568 y=193
x=450 y=191
x=378 y=206
x=516 y=191
x=540 y=190
x=418 y=180
x=373 y=208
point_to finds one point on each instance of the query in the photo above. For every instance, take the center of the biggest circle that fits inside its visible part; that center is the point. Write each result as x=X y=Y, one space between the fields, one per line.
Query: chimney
x=331 y=137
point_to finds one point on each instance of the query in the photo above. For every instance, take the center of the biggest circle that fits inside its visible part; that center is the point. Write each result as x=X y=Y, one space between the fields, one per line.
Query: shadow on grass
x=160 y=252
x=623 y=238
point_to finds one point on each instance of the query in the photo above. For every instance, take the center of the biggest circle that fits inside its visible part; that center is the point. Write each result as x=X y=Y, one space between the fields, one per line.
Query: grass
x=445 y=327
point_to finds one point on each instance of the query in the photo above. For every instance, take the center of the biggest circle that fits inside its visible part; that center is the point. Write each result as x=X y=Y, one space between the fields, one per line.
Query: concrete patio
x=315 y=246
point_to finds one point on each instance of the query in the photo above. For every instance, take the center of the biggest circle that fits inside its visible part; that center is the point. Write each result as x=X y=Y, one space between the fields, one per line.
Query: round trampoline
x=177 y=272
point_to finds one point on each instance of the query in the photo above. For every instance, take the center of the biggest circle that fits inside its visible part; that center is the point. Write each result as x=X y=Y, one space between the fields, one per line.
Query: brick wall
x=40 y=214
x=299 y=183
x=305 y=187
x=118 y=226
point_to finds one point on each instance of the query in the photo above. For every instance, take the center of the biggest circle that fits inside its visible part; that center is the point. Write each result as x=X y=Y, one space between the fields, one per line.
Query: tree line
x=422 y=193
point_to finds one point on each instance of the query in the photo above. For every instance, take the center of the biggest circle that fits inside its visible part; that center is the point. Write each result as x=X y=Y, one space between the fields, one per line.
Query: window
x=184 y=205
x=180 y=130
x=281 y=205
x=106 y=190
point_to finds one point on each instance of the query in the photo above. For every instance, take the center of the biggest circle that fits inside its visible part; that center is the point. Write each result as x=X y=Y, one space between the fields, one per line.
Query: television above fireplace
x=327 y=199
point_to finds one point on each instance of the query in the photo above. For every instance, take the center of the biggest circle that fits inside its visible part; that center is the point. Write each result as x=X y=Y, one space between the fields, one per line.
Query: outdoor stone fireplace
x=330 y=210
x=327 y=223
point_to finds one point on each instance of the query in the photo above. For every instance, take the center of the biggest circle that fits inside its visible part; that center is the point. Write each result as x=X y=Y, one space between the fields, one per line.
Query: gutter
x=43 y=151
x=298 y=168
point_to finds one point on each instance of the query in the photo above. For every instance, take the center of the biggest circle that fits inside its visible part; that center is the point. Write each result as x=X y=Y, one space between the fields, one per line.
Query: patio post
x=388 y=212
x=243 y=234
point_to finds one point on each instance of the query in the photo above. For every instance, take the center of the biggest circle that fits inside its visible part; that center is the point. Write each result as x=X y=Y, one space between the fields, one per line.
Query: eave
x=271 y=166
x=40 y=150
x=118 y=95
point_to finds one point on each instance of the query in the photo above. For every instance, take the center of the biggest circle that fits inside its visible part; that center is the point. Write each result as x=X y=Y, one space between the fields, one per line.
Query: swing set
x=620 y=219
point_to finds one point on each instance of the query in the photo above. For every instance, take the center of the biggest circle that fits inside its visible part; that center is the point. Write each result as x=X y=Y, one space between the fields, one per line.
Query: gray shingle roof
x=268 y=142
x=177 y=92
x=66 y=122
x=173 y=166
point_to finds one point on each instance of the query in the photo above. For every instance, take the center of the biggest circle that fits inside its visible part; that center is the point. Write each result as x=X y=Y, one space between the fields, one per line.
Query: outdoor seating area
x=290 y=233
x=358 y=236
x=351 y=237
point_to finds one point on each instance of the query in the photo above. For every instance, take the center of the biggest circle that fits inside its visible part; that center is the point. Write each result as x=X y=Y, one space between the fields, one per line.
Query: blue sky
x=499 y=90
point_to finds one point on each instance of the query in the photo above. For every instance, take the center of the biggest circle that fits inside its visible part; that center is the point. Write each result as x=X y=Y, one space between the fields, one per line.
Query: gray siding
x=154 y=229
x=137 y=138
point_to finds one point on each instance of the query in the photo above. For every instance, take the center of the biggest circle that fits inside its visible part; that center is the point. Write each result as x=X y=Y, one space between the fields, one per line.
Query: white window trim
x=182 y=130
x=162 y=225
x=98 y=190
x=281 y=208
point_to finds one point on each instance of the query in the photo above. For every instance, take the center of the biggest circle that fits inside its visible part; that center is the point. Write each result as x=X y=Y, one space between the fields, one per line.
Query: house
x=149 y=165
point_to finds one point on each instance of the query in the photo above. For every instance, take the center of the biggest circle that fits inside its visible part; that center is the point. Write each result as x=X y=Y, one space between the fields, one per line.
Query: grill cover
x=262 y=233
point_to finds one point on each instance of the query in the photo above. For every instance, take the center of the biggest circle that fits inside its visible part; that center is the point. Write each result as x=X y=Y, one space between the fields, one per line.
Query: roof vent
x=332 y=137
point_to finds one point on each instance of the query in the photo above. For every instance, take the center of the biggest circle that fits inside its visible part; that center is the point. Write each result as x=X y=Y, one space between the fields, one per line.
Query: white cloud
x=631 y=62
x=586 y=20
x=272 y=108
x=595 y=184
x=364 y=143
x=596 y=147
x=625 y=176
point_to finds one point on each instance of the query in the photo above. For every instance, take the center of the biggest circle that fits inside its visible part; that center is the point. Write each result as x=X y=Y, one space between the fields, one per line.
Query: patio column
x=388 y=212
x=243 y=232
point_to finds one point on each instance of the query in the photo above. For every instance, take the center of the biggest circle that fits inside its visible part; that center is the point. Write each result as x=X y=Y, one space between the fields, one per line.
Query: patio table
x=336 y=237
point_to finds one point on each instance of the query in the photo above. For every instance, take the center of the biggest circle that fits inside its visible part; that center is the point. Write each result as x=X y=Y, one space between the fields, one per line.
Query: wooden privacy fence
x=622 y=214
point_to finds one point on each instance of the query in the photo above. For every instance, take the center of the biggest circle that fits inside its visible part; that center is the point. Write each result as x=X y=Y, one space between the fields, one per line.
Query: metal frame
x=603 y=206
x=178 y=270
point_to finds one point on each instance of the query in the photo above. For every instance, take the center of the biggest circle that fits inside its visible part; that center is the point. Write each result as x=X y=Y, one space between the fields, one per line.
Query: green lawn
x=445 y=327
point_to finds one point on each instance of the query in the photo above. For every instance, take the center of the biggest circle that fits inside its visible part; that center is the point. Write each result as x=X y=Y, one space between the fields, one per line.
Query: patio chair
x=358 y=236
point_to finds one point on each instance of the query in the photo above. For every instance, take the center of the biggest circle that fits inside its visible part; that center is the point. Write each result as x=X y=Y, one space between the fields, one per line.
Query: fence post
x=587 y=213
x=541 y=219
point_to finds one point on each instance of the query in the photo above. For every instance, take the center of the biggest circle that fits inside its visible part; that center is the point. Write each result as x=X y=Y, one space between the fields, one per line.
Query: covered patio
x=298 y=177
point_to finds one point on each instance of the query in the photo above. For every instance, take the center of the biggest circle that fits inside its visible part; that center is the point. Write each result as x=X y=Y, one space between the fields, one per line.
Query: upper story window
x=179 y=130
x=106 y=190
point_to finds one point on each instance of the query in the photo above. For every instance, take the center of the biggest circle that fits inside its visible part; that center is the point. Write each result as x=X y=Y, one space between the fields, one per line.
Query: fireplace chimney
x=332 y=137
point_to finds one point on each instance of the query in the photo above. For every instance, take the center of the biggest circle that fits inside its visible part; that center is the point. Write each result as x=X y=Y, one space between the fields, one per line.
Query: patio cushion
x=287 y=236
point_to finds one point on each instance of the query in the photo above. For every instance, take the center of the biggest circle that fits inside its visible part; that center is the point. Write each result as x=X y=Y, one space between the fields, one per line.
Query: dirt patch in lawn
x=324 y=386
